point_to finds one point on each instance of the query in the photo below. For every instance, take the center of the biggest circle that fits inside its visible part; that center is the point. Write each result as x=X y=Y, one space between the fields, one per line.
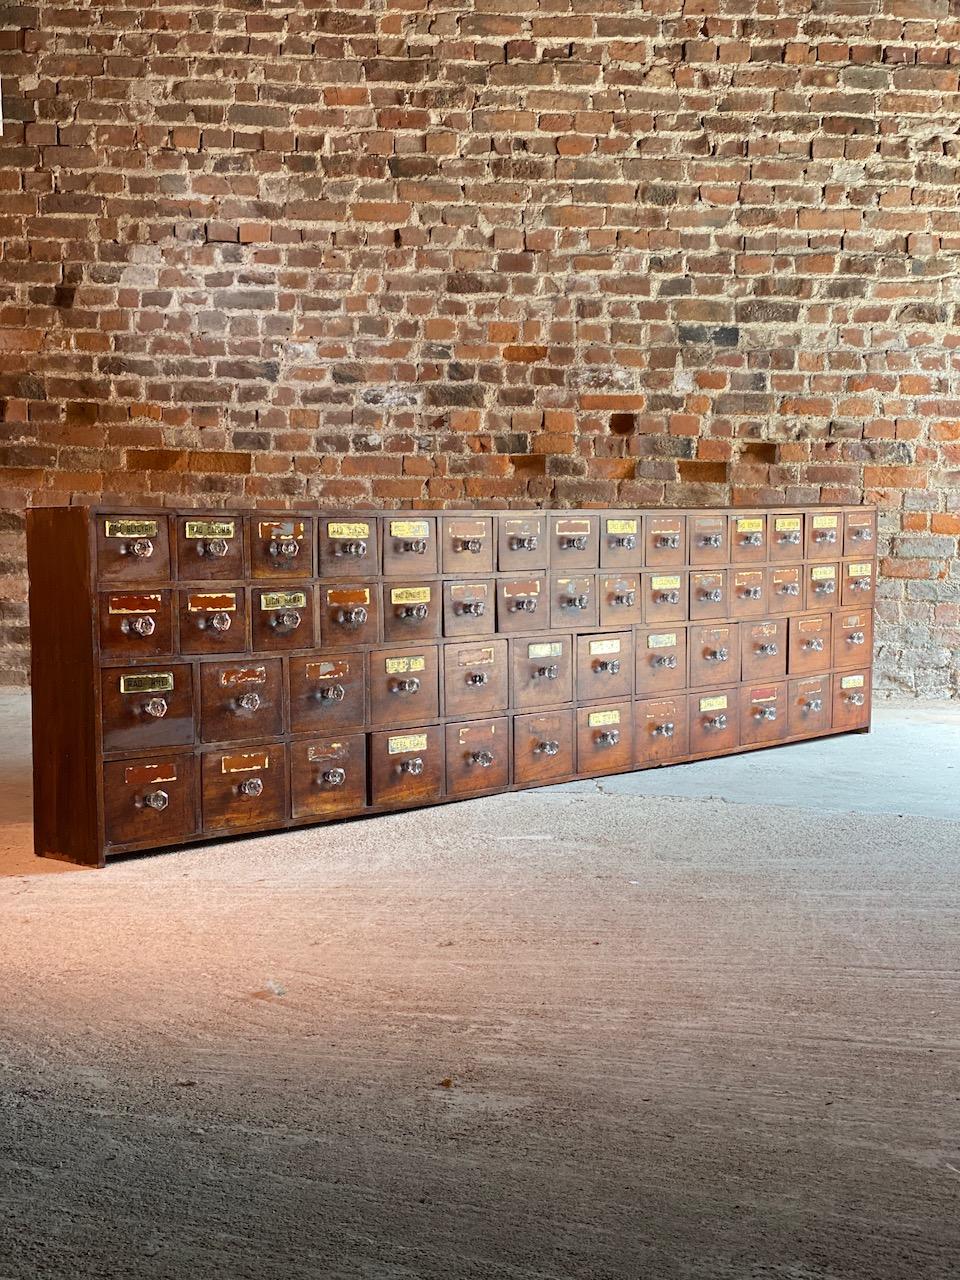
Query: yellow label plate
x=550 y=649
x=604 y=646
x=155 y=682
x=230 y=677
x=851 y=682
x=410 y=595
x=410 y=528
x=131 y=528
x=825 y=522
x=406 y=742
x=666 y=640
x=348 y=530
x=788 y=524
x=621 y=526
x=597 y=718
x=397 y=666
x=669 y=583
x=475 y=658
x=753 y=524
x=283 y=600
x=209 y=529
x=859 y=570
x=245 y=762
x=211 y=601
x=823 y=571
x=716 y=703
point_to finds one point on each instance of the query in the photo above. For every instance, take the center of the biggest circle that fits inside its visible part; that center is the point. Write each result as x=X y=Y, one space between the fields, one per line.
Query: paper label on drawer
x=825 y=522
x=211 y=602
x=323 y=751
x=604 y=646
x=749 y=578
x=621 y=526
x=397 y=666
x=521 y=587
x=810 y=626
x=753 y=524
x=348 y=530
x=152 y=682
x=715 y=633
x=859 y=570
x=283 y=600
x=347 y=595
x=708 y=580
x=406 y=742
x=134 y=604
x=806 y=687
x=245 y=762
x=471 y=591
x=664 y=526
x=764 y=693
x=855 y=620
x=326 y=670
x=476 y=731
x=763 y=630
x=410 y=595
x=716 y=703
x=666 y=640
x=141 y=775
x=851 y=682
x=476 y=657
x=467 y=528
x=572 y=528
x=786 y=575
x=209 y=529
x=230 y=677
x=549 y=649
x=410 y=528
x=788 y=524
x=523 y=528
x=274 y=529
x=670 y=582
x=597 y=718
x=131 y=528
x=821 y=572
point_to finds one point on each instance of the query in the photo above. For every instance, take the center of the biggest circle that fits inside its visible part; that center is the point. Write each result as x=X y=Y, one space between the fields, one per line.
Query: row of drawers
x=214 y=701
x=155 y=548
x=154 y=801
x=341 y=616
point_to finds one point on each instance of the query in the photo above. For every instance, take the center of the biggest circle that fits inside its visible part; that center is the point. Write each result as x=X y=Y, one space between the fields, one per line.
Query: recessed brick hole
x=622 y=424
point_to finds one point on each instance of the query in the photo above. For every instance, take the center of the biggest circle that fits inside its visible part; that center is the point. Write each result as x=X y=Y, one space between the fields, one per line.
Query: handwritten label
x=231 y=677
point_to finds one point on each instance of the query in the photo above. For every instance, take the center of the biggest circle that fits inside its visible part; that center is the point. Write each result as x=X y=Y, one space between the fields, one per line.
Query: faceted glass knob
x=579 y=543
x=249 y=701
x=524 y=544
x=478 y=677
x=142 y=548
x=334 y=777
x=286 y=548
x=578 y=602
x=216 y=547
x=665 y=660
x=409 y=685
x=351 y=549
x=715 y=595
x=251 y=788
x=665 y=730
x=549 y=748
x=156 y=707
x=482 y=758
x=608 y=738
x=626 y=599
x=143 y=625
x=525 y=604
x=416 y=546
x=352 y=617
x=856 y=637
x=414 y=766
x=331 y=693
x=156 y=800
x=413 y=612
x=669 y=597
x=813 y=704
x=548 y=673
x=220 y=621
x=286 y=620
x=718 y=722
x=719 y=655
x=472 y=608
x=473 y=545
x=627 y=542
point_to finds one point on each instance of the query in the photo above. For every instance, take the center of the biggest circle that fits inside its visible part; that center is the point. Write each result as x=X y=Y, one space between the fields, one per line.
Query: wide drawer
x=328 y=776
x=241 y=701
x=543 y=746
x=151 y=801
x=145 y=707
x=406 y=768
x=244 y=787
x=475 y=677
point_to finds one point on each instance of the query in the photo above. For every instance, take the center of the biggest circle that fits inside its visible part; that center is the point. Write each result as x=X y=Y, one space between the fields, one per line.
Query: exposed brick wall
x=490 y=251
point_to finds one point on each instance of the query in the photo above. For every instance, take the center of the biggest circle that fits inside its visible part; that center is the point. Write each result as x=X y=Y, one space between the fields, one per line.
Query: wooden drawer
x=621 y=541
x=406 y=768
x=135 y=624
x=328 y=776
x=281 y=547
x=522 y=542
x=151 y=802
x=661 y=660
x=860 y=533
x=403 y=684
x=664 y=541
x=748 y=539
x=785 y=588
x=283 y=618
x=709 y=594
x=574 y=542
x=466 y=544
x=763 y=650
x=809 y=708
x=714 y=654
x=620 y=599
x=213 y=621
x=786 y=536
x=210 y=548
x=244 y=787
x=241 y=701
x=808 y=647
x=822 y=586
x=478 y=756
x=714 y=721
x=543 y=746
x=573 y=601
x=852 y=638
x=326 y=693
x=763 y=713
x=709 y=536
x=605 y=666
x=661 y=730
x=133 y=549
x=824 y=535
x=147 y=707
x=605 y=738
x=851 y=700
x=665 y=597
x=411 y=611
x=748 y=593
x=523 y=603
x=542 y=670
x=349 y=615
x=349 y=547
x=475 y=677
x=469 y=608
x=410 y=546
x=858 y=585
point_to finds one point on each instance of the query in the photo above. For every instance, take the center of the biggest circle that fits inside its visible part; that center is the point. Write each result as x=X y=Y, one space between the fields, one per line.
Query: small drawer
x=409 y=546
x=543 y=747
x=469 y=608
x=714 y=721
x=785 y=588
x=664 y=541
x=349 y=548
x=135 y=624
x=709 y=594
x=851 y=700
x=824 y=535
x=406 y=768
x=786 y=536
x=809 y=644
x=466 y=544
x=860 y=533
x=665 y=597
x=349 y=615
x=213 y=621
x=542 y=670
x=661 y=730
x=748 y=539
x=661 y=661
x=281 y=547
x=328 y=776
x=748 y=593
x=210 y=548
x=763 y=650
x=858 y=585
x=605 y=666
x=809 y=707
x=144 y=707
x=475 y=677
x=326 y=693
x=150 y=802
x=404 y=685
x=244 y=788
x=522 y=542
x=133 y=549
x=620 y=599
x=411 y=611
x=523 y=604
x=573 y=601
x=709 y=536
x=478 y=756
x=853 y=638
x=621 y=541
x=822 y=585
x=240 y=701
x=763 y=714
x=283 y=619
x=605 y=738
x=714 y=654
x=574 y=542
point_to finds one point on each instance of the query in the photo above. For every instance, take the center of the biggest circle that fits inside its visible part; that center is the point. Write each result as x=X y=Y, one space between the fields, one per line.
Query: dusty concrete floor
x=582 y=1033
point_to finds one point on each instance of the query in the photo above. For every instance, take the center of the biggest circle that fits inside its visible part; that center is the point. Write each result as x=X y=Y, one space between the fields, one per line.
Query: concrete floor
x=701 y=1024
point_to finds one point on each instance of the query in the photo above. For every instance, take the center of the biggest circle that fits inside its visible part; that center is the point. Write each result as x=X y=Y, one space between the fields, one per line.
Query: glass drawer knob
x=825 y=535
x=790 y=539
x=417 y=546
x=351 y=549
x=608 y=738
x=482 y=758
x=524 y=544
x=525 y=604
x=251 y=788
x=413 y=612
x=768 y=650
x=579 y=543
x=766 y=713
x=861 y=584
x=717 y=722
x=856 y=637
x=824 y=588
x=665 y=730
x=578 y=602
x=610 y=665
x=718 y=655
x=863 y=535
x=815 y=645
x=156 y=707
x=156 y=800
x=409 y=685
x=753 y=540
x=711 y=540
x=856 y=699
x=473 y=545
x=669 y=541
x=414 y=766
x=331 y=693
x=472 y=608
x=352 y=617
x=548 y=673
x=478 y=677
x=217 y=547
x=285 y=547
x=669 y=597
x=790 y=589
x=626 y=542
x=249 y=702
x=286 y=620
x=549 y=748
x=752 y=593
x=626 y=599
x=142 y=548
x=334 y=777
x=665 y=660
x=141 y=626
x=715 y=595
x=813 y=704
x=220 y=621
